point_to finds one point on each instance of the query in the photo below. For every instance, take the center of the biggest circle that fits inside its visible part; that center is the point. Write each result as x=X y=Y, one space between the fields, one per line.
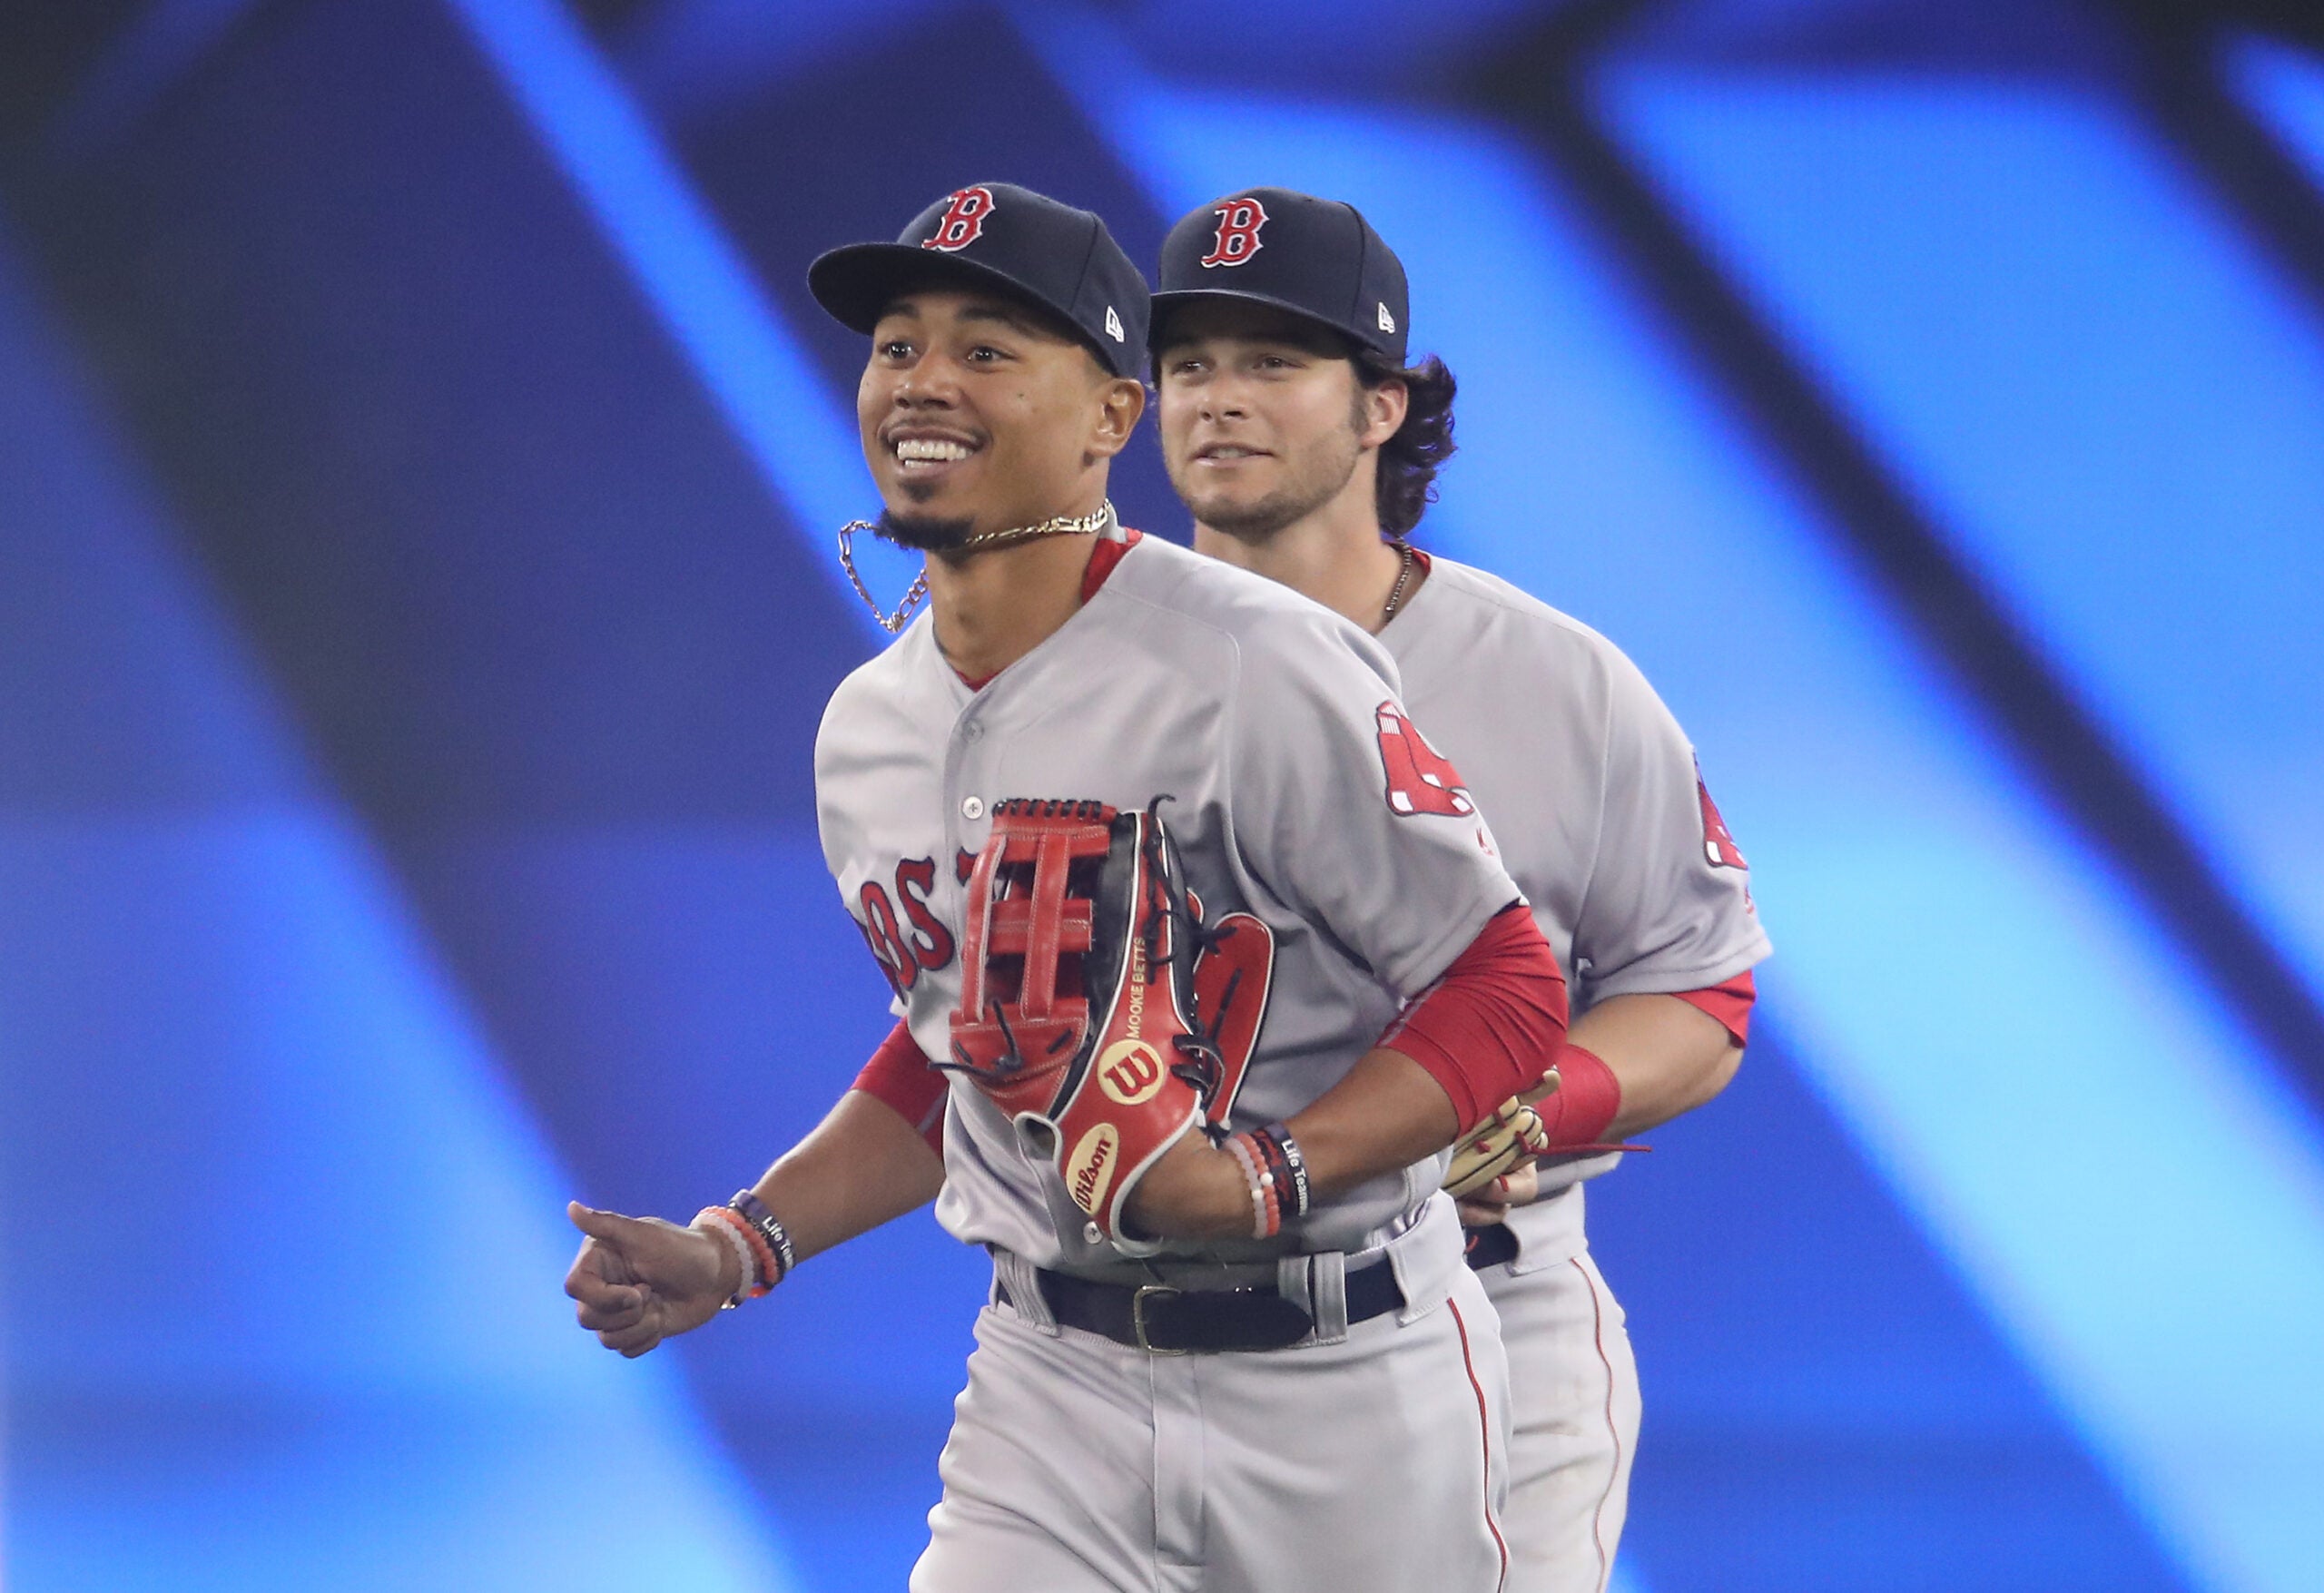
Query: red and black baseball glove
x=1095 y=1009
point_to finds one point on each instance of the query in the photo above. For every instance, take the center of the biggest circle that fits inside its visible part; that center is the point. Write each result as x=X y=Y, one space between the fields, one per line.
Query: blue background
x=418 y=462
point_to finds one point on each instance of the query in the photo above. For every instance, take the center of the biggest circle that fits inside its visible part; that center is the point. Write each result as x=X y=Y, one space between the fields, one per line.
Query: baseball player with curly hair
x=1202 y=963
x=1305 y=447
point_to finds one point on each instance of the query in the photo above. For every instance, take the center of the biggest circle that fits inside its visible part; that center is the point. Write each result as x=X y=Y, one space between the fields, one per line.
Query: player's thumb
x=611 y=1227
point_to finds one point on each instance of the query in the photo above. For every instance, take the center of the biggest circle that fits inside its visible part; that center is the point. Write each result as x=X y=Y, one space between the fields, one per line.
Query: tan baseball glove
x=1500 y=1145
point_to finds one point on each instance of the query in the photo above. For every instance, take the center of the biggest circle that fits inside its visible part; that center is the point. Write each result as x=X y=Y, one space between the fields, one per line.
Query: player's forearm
x=1385 y=1114
x=1447 y=1061
x=862 y=1166
x=1669 y=1056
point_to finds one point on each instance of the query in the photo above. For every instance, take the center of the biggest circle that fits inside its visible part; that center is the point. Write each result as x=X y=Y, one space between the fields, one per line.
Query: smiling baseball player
x=1216 y=962
x=1305 y=448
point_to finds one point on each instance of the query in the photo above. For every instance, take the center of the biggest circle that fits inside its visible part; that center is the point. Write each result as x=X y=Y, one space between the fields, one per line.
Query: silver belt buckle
x=1137 y=1314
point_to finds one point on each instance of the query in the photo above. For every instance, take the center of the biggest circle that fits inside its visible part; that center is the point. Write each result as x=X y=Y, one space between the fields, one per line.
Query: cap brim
x=1165 y=302
x=857 y=283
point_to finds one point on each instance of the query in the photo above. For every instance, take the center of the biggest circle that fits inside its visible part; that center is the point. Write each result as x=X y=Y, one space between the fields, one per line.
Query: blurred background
x=418 y=466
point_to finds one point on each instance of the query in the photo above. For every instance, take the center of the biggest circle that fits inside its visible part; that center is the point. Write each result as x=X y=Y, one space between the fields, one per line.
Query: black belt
x=1166 y=1320
x=1491 y=1245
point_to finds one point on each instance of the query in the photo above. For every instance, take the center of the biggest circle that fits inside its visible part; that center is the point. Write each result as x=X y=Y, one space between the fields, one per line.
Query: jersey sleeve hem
x=899 y=1076
x=1662 y=980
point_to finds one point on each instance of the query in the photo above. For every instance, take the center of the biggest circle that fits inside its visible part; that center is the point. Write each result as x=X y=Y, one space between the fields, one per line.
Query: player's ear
x=1380 y=411
x=1121 y=401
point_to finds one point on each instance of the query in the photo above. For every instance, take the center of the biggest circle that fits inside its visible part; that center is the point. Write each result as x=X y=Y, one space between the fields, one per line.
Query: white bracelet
x=741 y=1249
x=1258 y=1181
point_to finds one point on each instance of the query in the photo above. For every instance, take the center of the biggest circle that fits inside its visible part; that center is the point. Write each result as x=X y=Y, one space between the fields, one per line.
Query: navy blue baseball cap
x=1318 y=258
x=998 y=235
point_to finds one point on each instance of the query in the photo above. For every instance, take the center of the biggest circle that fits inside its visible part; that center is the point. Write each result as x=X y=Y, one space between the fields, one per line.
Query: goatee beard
x=1256 y=523
x=926 y=533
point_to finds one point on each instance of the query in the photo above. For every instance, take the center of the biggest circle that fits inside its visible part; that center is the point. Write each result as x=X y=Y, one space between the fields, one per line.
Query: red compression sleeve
x=1587 y=1096
x=1730 y=1003
x=1481 y=1031
x=898 y=1074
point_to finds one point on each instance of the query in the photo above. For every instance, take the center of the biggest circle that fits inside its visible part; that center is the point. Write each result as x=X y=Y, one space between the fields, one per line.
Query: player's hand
x=1522 y=1186
x=640 y=1280
x=1194 y=1192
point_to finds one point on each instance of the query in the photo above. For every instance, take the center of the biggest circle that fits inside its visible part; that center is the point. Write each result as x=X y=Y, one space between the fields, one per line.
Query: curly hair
x=1409 y=459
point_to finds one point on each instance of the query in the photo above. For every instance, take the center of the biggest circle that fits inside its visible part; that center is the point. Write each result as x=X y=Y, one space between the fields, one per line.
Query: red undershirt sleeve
x=900 y=1076
x=1486 y=1031
x=1589 y=1096
x=1730 y=1003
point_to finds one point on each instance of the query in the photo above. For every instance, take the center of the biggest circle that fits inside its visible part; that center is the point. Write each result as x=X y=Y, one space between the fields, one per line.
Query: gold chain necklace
x=1063 y=525
x=1396 y=592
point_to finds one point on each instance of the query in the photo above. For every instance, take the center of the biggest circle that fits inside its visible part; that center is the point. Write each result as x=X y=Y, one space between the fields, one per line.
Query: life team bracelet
x=1277 y=1173
x=762 y=1222
x=761 y=1244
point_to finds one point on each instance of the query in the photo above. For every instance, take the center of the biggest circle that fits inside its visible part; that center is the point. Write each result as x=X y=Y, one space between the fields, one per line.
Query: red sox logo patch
x=962 y=223
x=1421 y=780
x=1239 y=220
x=1718 y=845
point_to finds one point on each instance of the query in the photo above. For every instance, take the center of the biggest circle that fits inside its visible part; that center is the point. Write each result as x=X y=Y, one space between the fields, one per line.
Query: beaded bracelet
x=746 y=1250
x=777 y=1238
x=1266 y=1216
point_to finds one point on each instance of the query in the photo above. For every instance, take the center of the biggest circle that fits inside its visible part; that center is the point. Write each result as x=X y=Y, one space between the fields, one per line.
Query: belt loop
x=1022 y=1284
x=1291 y=1281
x=1326 y=1288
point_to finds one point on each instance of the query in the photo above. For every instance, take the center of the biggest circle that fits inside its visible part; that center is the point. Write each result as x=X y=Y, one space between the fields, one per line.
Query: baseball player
x=1305 y=446
x=1218 y=961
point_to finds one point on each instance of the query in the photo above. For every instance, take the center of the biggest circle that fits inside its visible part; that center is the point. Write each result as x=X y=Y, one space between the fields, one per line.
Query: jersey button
x=972 y=807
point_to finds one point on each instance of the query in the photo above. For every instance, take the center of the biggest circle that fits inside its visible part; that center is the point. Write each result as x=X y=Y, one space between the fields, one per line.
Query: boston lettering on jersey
x=1420 y=781
x=901 y=951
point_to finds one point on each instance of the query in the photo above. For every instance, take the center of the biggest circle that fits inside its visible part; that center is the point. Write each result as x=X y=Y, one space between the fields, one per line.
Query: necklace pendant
x=1063 y=525
x=913 y=595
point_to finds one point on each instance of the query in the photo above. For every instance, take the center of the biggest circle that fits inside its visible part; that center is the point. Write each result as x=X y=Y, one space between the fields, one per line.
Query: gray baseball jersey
x=1600 y=812
x=1595 y=801
x=1297 y=792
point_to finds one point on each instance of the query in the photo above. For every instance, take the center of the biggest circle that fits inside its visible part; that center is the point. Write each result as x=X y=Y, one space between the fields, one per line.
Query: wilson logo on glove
x=1083 y=962
x=1090 y=1166
x=1130 y=1072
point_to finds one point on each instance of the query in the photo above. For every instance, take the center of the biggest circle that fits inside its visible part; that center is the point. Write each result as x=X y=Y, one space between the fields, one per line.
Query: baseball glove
x=1498 y=1145
x=1084 y=979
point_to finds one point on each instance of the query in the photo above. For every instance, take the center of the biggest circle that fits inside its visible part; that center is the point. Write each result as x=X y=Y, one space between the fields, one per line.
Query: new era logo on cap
x=1387 y=322
x=1113 y=324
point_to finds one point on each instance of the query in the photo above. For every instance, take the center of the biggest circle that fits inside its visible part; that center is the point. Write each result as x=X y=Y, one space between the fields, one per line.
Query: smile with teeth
x=929 y=450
